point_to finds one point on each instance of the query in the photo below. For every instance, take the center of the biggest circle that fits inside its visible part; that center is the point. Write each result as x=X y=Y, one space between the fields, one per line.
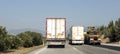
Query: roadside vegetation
x=112 y=30
x=25 y=39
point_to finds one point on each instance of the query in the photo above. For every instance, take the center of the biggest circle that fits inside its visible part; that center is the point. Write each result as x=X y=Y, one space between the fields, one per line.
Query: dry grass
x=21 y=50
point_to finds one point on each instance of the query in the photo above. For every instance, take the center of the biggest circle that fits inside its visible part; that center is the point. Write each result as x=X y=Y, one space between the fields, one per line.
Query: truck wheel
x=99 y=43
x=49 y=46
x=63 y=46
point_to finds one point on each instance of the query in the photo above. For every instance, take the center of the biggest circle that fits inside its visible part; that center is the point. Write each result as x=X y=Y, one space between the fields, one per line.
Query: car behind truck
x=56 y=31
x=76 y=35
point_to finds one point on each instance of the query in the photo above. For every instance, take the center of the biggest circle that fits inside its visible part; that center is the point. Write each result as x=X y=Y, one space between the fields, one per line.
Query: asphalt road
x=76 y=49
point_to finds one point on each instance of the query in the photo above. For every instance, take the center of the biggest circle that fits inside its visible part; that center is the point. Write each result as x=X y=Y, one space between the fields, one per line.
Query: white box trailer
x=55 y=31
x=76 y=35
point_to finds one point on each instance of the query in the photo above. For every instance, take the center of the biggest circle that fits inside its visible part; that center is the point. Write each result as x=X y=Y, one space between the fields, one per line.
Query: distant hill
x=17 y=31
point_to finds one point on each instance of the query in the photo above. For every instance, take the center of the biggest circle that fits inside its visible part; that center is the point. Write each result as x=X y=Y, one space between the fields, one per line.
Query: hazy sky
x=19 y=14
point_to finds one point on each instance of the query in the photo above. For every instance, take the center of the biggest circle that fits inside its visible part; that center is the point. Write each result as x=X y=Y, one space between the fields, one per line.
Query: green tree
x=3 y=32
x=5 y=41
x=31 y=38
x=27 y=40
x=117 y=23
x=112 y=31
x=16 y=42
x=36 y=37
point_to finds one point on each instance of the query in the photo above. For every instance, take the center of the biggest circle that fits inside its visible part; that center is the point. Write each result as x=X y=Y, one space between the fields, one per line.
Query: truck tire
x=63 y=46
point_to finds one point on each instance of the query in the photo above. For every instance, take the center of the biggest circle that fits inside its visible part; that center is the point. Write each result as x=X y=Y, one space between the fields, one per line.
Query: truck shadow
x=117 y=48
x=75 y=44
x=56 y=46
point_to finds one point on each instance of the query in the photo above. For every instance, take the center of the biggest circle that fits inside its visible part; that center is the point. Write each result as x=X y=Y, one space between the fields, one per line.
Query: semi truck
x=76 y=35
x=92 y=37
x=56 y=31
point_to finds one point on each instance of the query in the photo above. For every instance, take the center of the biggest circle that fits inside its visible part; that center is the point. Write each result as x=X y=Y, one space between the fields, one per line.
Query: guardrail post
x=43 y=43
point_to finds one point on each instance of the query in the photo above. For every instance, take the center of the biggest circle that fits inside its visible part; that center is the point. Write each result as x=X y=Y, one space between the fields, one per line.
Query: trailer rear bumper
x=55 y=42
x=78 y=42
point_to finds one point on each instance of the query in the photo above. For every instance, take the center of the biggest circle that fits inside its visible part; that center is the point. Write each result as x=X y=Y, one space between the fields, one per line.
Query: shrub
x=5 y=44
x=27 y=40
x=16 y=42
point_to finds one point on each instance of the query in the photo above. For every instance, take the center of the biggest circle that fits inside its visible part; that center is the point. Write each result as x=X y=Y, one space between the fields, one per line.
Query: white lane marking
x=77 y=50
x=40 y=50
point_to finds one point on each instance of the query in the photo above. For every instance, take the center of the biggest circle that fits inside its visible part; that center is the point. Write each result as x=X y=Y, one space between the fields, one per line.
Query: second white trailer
x=76 y=35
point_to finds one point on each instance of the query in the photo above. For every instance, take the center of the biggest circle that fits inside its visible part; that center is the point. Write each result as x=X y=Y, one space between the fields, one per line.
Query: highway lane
x=89 y=49
x=67 y=50
x=75 y=49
